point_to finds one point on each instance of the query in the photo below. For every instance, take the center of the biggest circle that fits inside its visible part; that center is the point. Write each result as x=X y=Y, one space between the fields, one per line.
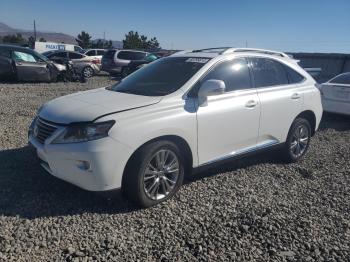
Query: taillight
x=96 y=61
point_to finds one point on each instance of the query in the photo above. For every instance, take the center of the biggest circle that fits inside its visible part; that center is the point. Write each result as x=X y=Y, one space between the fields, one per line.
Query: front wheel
x=155 y=174
x=298 y=140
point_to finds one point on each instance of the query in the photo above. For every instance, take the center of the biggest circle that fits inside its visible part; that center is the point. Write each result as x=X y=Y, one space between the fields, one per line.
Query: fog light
x=83 y=165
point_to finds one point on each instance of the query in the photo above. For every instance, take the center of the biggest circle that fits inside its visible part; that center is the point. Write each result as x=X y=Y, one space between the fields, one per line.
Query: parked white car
x=336 y=94
x=177 y=114
x=95 y=53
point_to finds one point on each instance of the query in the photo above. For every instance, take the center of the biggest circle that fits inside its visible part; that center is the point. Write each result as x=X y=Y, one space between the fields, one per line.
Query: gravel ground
x=255 y=209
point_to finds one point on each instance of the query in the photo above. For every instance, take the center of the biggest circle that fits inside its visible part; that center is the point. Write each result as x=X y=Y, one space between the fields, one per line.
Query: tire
x=145 y=182
x=88 y=72
x=298 y=140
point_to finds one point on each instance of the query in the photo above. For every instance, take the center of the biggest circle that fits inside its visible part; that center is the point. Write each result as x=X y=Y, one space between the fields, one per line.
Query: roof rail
x=256 y=50
x=219 y=50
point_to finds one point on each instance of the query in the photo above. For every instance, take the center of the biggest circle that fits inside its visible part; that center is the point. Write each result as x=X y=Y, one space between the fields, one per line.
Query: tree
x=109 y=44
x=134 y=41
x=14 y=39
x=84 y=40
x=153 y=44
x=42 y=39
x=101 y=44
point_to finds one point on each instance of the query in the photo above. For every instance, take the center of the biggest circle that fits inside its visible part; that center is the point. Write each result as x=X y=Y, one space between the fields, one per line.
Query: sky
x=284 y=25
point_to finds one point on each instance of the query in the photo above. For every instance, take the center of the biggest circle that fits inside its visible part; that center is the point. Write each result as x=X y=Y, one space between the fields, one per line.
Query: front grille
x=43 y=129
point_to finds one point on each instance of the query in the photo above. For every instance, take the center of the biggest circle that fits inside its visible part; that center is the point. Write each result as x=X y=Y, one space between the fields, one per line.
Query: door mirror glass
x=211 y=87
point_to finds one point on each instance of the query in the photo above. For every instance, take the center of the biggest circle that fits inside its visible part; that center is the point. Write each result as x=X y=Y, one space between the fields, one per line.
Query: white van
x=42 y=47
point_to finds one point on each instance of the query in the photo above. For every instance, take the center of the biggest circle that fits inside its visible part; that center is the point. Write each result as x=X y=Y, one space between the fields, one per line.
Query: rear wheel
x=155 y=173
x=298 y=140
x=88 y=72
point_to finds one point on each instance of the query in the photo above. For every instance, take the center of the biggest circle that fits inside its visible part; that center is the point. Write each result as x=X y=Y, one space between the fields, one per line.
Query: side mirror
x=211 y=87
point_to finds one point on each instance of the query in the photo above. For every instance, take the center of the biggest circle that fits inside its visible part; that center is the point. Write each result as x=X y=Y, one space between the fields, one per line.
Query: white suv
x=180 y=113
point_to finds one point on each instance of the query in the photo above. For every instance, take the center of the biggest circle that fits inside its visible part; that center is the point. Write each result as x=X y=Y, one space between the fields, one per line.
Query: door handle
x=251 y=104
x=295 y=96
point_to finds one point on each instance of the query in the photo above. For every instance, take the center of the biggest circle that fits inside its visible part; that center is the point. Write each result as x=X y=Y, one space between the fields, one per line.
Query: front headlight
x=82 y=132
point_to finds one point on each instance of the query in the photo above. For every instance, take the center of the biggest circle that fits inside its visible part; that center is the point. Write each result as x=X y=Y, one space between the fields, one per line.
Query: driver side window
x=23 y=57
x=234 y=73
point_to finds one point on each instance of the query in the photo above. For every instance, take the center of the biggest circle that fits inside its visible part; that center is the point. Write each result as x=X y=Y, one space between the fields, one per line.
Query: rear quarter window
x=293 y=76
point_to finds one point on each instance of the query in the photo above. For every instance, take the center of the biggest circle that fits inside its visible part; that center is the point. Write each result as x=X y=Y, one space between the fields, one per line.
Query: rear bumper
x=335 y=106
x=94 y=166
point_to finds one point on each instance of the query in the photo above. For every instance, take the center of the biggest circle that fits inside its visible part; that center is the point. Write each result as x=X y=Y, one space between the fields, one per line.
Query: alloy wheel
x=300 y=141
x=88 y=72
x=161 y=174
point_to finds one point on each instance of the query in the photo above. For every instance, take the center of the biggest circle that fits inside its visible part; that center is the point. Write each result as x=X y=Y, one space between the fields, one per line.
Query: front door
x=29 y=68
x=228 y=124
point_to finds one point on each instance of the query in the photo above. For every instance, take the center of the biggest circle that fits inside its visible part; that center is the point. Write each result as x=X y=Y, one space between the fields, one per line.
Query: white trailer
x=42 y=47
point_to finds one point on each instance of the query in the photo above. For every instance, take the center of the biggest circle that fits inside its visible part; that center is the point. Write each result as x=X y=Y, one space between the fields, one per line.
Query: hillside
x=49 y=36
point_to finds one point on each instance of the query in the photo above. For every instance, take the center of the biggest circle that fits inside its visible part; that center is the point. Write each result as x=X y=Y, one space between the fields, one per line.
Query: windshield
x=161 y=77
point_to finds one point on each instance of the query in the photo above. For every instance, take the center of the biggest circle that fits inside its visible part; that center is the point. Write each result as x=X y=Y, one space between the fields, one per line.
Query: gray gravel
x=255 y=209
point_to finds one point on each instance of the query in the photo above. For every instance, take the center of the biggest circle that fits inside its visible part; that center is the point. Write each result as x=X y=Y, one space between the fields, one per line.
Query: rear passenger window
x=90 y=53
x=234 y=73
x=101 y=52
x=75 y=56
x=268 y=72
x=129 y=55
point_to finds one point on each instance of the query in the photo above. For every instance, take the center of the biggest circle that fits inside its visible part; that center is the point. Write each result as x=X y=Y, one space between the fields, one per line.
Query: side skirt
x=225 y=160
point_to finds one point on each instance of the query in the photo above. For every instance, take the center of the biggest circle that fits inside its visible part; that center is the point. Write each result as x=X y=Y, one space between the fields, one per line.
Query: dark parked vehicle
x=24 y=64
x=88 y=66
x=137 y=64
x=114 y=60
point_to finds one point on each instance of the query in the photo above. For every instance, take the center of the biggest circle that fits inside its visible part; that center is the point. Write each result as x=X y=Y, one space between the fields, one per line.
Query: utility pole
x=246 y=43
x=34 y=32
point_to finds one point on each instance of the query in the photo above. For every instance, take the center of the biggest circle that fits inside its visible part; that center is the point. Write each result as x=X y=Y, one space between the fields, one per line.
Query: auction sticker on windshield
x=197 y=60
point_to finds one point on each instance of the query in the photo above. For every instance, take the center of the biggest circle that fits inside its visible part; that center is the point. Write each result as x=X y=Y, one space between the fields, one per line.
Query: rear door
x=30 y=68
x=280 y=96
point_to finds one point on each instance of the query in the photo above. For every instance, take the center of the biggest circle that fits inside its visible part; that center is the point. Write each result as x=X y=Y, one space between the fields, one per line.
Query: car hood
x=89 y=105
